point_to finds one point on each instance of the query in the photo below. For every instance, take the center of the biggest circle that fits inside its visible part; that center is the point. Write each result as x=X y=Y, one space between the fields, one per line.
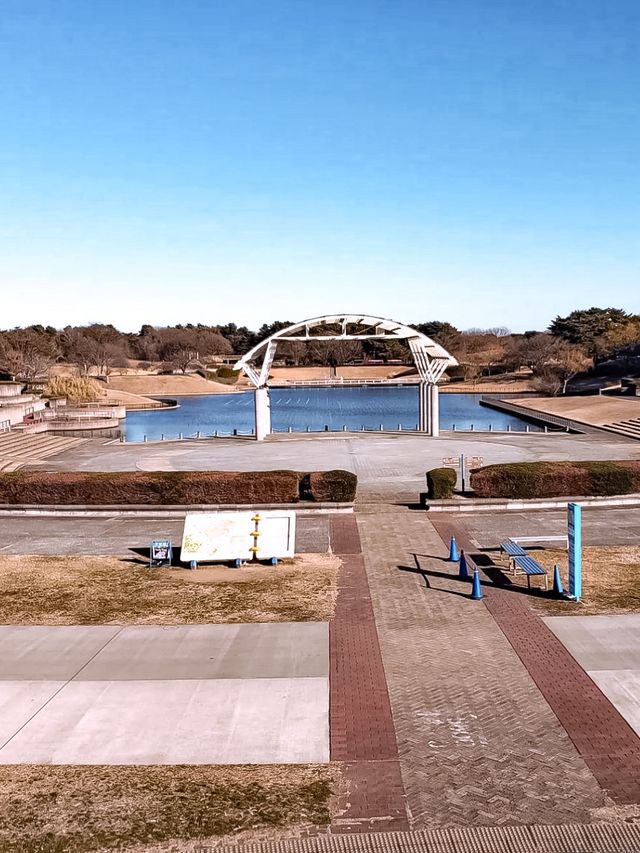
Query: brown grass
x=51 y=809
x=107 y=590
x=610 y=581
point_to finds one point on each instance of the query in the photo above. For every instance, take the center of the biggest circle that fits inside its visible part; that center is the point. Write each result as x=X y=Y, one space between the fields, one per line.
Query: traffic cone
x=463 y=571
x=476 y=589
x=558 y=589
x=454 y=556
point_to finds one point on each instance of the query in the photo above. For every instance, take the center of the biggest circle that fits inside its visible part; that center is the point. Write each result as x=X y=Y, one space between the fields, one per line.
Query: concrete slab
x=20 y=700
x=276 y=650
x=600 y=642
x=120 y=536
x=49 y=653
x=223 y=721
x=608 y=649
x=622 y=688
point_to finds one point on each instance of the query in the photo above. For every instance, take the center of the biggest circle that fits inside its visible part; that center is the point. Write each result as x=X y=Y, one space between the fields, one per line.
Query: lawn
x=51 y=809
x=53 y=590
x=610 y=581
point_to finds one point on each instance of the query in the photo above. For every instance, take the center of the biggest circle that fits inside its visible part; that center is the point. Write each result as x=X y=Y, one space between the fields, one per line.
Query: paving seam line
x=62 y=687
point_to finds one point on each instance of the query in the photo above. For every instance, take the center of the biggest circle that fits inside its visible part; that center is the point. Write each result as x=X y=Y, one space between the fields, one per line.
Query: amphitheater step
x=18 y=449
x=620 y=429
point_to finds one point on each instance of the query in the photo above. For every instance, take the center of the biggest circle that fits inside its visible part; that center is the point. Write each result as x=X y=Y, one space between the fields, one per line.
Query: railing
x=310 y=383
x=400 y=428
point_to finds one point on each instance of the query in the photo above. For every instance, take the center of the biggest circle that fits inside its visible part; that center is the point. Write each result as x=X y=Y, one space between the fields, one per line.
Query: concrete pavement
x=608 y=649
x=200 y=694
x=122 y=536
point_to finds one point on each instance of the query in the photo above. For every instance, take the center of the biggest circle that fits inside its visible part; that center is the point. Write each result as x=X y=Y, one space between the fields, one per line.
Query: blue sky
x=211 y=161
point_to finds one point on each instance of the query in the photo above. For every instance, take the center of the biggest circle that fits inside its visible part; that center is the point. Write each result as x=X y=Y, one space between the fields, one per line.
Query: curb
x=480 y=505
x=161 y=511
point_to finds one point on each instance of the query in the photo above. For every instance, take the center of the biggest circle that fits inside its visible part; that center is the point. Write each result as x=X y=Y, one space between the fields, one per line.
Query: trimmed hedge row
x=440 y=483
x=557 y=479
x=176 y=487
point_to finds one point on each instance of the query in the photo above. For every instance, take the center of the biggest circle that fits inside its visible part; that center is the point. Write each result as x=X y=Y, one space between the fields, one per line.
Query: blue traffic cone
x=454 y=556
x=476 y=589
x=558 y=589
x=463 y=571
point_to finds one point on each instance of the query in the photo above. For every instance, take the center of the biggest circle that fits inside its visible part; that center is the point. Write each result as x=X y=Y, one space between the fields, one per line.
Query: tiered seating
x=18 y=449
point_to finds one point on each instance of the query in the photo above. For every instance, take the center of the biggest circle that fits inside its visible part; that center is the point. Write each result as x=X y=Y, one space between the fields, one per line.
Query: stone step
x=20 y=447
x=621 y=430
x=7 y=465
x=562 y=838
x=628 y=426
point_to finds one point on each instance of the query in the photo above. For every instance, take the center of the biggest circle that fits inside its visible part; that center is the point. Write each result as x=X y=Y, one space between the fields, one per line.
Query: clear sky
x=476 y=161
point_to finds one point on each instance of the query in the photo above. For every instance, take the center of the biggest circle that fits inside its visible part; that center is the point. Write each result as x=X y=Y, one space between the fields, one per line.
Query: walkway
x=478 y=743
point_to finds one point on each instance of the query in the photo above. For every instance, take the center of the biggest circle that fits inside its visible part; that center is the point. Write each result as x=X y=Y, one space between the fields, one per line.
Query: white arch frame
x=431 y=360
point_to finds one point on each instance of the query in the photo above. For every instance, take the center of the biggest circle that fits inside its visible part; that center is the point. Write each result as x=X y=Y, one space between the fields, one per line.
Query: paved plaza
x=197 y=694
x=390 y=467
x=443 y=714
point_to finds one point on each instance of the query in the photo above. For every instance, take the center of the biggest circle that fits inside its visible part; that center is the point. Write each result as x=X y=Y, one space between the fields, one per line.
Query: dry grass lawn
x=54 y=590
x=52 y=809
x=610 y=581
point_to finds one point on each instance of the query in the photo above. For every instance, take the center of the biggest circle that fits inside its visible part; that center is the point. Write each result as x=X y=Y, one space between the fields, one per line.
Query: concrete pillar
x=434 y=410
x=263 y=413
x=423 y=407
x=429 y=409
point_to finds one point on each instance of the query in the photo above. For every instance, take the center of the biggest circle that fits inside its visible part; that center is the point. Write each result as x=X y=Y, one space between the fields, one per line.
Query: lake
x=299 y=409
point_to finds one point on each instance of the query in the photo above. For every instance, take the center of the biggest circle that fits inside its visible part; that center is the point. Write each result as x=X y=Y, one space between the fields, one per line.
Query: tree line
x=571 y=344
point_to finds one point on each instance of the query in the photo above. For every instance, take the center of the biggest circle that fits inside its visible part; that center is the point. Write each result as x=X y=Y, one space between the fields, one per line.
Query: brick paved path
x=362 y=733
x=478 y=743
x=602 y=736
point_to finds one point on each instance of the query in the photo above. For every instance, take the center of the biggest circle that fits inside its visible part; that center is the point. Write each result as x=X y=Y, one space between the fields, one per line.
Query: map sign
x=213 y=536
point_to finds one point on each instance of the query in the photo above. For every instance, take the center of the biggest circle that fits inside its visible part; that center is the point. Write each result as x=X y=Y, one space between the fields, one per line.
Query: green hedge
x=329 y=486
x=557 y=479
x=175 y=487
x=441 y=483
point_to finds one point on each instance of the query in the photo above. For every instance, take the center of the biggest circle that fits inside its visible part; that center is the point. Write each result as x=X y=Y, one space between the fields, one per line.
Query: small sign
x=463 y=465
x=160 y=553
x=574 y=535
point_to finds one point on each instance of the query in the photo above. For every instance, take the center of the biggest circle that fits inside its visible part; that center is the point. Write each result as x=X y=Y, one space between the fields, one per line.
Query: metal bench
x=512 y=549
x=528 y=566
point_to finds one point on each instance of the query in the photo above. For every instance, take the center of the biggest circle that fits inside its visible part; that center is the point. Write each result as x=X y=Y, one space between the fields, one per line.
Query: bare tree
x=27 y=354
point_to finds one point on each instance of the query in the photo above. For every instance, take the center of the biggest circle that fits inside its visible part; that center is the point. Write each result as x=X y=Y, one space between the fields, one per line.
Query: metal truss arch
x=431 y=359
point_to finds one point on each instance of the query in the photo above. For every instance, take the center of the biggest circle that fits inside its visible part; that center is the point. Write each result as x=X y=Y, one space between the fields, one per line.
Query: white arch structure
x=431 y=360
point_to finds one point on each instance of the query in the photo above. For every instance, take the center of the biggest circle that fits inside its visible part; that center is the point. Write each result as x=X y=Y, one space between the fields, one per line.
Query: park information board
x=213 y=536
x=574 y=533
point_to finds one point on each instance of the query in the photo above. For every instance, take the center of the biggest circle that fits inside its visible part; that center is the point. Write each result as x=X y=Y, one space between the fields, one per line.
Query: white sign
x=209 y=536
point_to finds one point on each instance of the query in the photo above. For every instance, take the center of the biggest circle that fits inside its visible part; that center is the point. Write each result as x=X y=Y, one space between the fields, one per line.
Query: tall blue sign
x=574 y=532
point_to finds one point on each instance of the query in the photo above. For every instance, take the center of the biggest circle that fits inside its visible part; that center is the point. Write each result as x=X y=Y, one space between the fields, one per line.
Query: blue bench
x=528 y=566
x=512 y=549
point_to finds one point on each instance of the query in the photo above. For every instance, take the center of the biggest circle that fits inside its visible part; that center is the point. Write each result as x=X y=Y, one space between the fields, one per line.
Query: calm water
x=299 y=408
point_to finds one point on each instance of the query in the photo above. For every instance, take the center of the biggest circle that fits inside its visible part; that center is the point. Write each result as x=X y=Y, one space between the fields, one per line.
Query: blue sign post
x=574 y=531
